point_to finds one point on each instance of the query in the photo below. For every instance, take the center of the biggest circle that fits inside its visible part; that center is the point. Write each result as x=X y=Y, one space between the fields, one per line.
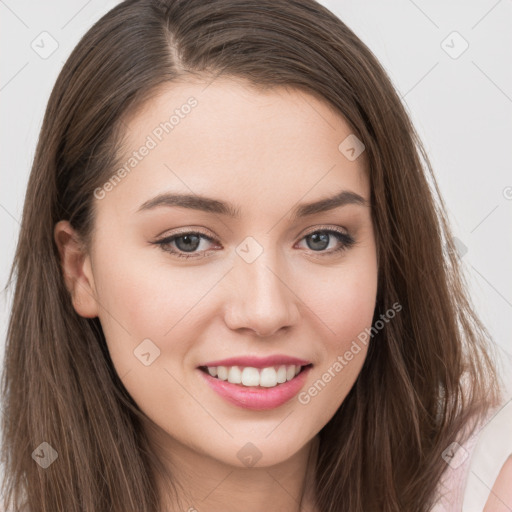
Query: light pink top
x=475 y=465
x=453 y=483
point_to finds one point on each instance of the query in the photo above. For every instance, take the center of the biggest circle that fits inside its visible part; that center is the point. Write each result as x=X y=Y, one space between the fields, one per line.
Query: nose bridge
x=263 y=301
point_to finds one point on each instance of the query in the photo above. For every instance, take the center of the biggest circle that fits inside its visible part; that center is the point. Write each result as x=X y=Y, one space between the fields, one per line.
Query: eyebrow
x=211 y=205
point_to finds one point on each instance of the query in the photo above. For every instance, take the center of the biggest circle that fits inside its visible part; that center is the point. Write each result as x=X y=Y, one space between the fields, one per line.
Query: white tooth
x=234 y=375
x=250 y=376
x=281 y=374
x=265 y=377
x=222 y=372
x=268 y=378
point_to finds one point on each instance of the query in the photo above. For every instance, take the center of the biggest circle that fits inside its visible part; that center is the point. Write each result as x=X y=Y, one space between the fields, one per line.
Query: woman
x=234 y=282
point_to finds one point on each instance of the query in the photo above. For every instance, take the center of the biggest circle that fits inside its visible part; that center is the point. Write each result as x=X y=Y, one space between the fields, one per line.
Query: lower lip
x=255 y=397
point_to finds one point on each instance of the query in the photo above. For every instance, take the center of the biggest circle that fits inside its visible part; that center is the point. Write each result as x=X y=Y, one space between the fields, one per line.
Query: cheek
x=147 y=297
x=345 y=306
x=345 y=302
x=348 y=311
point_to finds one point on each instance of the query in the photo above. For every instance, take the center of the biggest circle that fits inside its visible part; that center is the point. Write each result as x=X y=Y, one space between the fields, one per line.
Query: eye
x=320 y=240
x=185 y=244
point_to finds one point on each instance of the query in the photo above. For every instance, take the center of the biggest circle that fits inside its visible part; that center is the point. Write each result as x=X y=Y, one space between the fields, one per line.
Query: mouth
x=257 y=378
x=256 y=389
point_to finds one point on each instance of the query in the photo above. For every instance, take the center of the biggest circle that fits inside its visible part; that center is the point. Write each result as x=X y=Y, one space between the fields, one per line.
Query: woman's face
x=275 y=280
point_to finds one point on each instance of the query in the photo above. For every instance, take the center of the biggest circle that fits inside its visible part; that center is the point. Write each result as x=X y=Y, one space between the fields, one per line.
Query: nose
x=261 y=297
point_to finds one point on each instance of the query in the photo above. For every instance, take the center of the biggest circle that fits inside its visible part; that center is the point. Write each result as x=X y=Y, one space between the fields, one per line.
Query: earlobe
x=76 y=270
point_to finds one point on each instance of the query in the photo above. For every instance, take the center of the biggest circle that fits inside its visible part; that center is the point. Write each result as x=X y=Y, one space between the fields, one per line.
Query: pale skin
x=500 y=497
x=265 y=152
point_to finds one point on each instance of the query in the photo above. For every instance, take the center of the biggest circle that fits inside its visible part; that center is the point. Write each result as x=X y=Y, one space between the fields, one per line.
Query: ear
x=76 y=269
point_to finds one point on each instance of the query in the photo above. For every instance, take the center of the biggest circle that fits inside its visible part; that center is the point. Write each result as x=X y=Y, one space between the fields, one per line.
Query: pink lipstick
x=257 y=397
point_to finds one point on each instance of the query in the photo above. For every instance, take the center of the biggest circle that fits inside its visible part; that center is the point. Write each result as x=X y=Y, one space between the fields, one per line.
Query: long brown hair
x=382 y=449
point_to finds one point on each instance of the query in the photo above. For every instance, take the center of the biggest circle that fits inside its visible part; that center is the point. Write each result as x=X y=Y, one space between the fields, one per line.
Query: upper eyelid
x=313 y=229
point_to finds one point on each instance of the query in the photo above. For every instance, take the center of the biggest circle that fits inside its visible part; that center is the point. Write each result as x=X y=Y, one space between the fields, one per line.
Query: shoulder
x=500 y=497
x=491 y=461
x=480 y=465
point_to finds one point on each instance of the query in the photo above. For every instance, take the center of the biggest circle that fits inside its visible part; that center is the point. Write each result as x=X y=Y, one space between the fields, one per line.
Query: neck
x=205 y=483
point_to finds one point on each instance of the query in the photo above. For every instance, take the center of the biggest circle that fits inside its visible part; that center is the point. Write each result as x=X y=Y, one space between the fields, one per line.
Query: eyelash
x=346 y=242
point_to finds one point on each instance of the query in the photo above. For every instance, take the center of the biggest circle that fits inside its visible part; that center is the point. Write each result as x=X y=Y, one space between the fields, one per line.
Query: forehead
x=230 y=139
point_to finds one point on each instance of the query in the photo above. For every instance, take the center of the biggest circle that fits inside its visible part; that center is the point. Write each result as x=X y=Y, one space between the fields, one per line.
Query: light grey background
x=462 y=108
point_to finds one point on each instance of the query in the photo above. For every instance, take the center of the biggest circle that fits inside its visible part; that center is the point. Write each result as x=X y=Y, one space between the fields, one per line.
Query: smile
x=258 y=389
x=248 y=376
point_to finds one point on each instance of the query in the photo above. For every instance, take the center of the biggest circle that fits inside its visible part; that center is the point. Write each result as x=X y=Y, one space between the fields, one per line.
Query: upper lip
x=258 y=362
